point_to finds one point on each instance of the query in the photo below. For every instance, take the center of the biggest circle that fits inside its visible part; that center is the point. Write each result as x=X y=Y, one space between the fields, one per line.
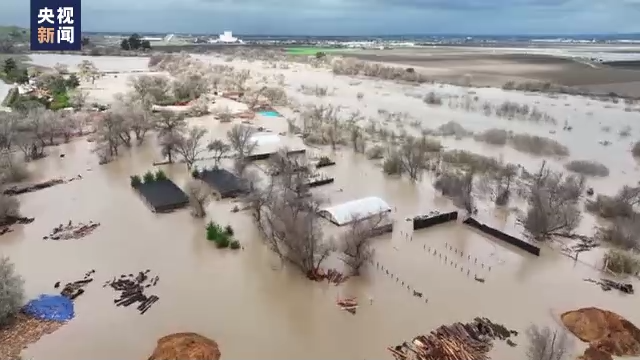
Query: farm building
x=268 y=144
x=345 y=213
x=162 y=195
x=223 y=183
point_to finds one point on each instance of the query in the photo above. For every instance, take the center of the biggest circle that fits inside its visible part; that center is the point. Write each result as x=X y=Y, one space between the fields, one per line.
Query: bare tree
x=156 y=88
x=219 y=149
x=199 y=196
x=458 y=186
x=88 y=71
x=553 y=204
x=108 y=136
x=170 y=128
x=498 y=183
x=356 y=242
x=287 y=217
x=548 y=344
x=190 y=146
x=242 y=143
x=415 y=154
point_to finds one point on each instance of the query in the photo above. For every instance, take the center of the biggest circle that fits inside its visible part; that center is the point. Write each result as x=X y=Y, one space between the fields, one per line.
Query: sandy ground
x=241 y=298
x=494 y=67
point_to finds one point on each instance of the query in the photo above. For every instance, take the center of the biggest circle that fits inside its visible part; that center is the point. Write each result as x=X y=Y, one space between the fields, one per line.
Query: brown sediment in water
x=607 y=333
x=185 y=346
x=24 y=330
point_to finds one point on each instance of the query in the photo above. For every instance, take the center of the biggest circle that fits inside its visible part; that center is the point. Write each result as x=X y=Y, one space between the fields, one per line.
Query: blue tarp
x=50 y=307
x=269 y=113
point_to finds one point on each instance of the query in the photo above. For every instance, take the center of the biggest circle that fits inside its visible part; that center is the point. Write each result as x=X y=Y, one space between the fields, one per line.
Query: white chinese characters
x=65 y=34
x=65 y=15
x=45 y=15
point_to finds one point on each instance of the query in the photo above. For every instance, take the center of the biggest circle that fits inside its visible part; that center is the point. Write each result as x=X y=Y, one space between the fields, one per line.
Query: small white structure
x=268 y=144
x=347 y=212
x=226 y=38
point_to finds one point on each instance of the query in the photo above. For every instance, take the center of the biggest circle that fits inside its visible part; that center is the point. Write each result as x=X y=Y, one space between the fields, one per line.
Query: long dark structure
x=162 y=195
x=423 y=222
x=223 y=182
x=521 y=244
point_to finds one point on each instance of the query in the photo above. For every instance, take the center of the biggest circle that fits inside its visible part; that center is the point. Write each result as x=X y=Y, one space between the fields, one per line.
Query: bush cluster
x=222 y=237
x=148 y=178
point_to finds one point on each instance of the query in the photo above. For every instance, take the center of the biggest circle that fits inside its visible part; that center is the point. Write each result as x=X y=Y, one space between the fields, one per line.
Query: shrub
x=622 y=232
x=217 y=234
x=223 y=242
x=324 y=161
x=608 y=207
x=392 y=164
x=135 y=180
x=234 y=244
x=452 y=128
x=195 y=173
x=587 y=167
x=538 y=145
x=636 y=149
x=228 y=230
x=497 y=137
x=11 y=291
x=622 y=262
x=148 y=177
x=375 y=153
x=432 y=99
x=469 y=160
x=160 y=175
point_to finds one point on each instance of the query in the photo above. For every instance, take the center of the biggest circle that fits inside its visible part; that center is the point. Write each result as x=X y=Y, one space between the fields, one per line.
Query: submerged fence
x=420 y=222
x=521 y=244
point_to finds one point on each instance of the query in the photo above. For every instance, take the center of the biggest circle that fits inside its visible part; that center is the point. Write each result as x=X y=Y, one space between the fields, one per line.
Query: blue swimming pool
x=269 y=113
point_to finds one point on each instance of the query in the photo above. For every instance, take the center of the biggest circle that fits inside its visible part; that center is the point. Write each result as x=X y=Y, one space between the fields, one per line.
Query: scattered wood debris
x=607 y=285
x=7 y=221
x=348 y=304
x=23 y=189
x=22 y=331
x=132 y=287
x=71 y=231
x=471 y=341
x=74 y=289
x=334 y=276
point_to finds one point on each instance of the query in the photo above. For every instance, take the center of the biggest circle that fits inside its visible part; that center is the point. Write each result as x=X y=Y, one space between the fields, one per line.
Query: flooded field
x=247 y=298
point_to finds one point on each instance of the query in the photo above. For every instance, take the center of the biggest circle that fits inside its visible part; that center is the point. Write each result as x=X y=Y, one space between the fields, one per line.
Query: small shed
x=345 y=213
x=223 y=182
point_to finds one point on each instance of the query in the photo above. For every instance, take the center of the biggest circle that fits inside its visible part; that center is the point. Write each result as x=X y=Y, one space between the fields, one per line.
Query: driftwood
x=334 y=276
x=23 y=189
x=471 y=341
x=132 y=287
x=74 y=289
x=71 y=231
x=607 y=285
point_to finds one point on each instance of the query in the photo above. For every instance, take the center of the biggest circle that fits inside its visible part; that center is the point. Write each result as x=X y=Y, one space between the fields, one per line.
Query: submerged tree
x=553 y=204
x=548 y=344
x=199 y=195
x=219 y=149
x=356 y=242
x=170 y=127
x=11 y=291
x=242 y=143
x=190 y=146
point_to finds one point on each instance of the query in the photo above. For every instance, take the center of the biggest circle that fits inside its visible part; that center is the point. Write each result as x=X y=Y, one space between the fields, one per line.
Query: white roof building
x=349 y=211
x=270 y=143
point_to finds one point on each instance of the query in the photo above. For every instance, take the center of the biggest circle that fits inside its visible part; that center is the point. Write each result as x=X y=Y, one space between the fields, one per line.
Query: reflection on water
x=242 y=298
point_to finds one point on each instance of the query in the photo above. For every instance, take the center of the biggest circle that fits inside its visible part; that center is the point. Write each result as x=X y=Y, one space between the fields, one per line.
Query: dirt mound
x=606 y=332
x=185 y=346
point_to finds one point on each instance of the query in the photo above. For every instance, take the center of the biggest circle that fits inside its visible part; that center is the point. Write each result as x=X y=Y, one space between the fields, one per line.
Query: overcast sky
x=351 y=17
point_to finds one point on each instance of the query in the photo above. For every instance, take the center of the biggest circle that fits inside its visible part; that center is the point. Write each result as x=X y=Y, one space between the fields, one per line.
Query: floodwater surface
x=250 y=304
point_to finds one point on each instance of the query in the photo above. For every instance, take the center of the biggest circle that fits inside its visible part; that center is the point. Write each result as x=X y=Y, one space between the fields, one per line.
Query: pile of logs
x=131 y=288
x=71 y=231
x=74 y=289
x=607 y=285
x=334 y=276
x=471 y=341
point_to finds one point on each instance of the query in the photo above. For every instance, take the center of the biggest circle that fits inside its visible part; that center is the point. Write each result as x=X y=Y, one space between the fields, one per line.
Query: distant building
x=226 y=38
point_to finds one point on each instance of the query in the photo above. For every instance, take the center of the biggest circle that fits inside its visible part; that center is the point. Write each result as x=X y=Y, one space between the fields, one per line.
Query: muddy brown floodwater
x=252 y=307
x=242 y=300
